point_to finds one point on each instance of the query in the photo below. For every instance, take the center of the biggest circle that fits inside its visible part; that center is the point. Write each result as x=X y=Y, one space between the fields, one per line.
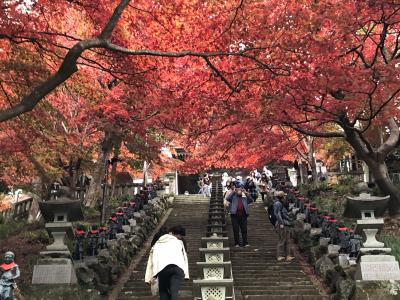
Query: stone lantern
x=55 y=265
x=375 y=262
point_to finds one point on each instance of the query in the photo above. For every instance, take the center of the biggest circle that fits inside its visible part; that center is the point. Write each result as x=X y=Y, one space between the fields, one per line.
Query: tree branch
x=145 y=118
x=69 y=64
x=391 y=143
x=316 y=133
x=112 y=22
x=219 y=74
x=67 y=68
x=234 y=17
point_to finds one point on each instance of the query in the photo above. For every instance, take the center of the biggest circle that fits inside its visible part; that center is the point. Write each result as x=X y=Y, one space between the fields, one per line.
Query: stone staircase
x=190 y=212
x=257 y=275
x=191 y=198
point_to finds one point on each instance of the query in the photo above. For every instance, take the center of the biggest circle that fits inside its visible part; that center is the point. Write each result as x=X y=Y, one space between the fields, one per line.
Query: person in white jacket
x=168 y=263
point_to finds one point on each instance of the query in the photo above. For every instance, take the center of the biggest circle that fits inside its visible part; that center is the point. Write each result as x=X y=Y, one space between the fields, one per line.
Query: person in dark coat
x=239 y=202
x=283 y=227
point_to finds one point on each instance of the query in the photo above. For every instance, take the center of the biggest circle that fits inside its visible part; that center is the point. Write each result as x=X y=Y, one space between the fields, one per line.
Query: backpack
x=271 y=215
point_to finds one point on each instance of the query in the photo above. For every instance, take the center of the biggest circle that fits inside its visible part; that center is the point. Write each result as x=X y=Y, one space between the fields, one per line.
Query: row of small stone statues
x=326 y=227
x=90 y=241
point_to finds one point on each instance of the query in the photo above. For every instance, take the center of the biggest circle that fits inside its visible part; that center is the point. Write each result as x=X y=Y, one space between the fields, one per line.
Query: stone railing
x=18 y=211
x=125 y=189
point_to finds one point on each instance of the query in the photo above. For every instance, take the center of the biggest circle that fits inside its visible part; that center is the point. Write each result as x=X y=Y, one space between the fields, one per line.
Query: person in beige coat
x=168 y=263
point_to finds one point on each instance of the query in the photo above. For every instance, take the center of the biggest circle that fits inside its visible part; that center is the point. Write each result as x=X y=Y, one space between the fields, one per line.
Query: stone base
x=378 y=268
x=54 y=271
x=383 y=290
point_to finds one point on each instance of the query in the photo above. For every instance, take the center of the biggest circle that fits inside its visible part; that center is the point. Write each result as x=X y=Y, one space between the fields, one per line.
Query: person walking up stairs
x=192 y=215
x=257 y=273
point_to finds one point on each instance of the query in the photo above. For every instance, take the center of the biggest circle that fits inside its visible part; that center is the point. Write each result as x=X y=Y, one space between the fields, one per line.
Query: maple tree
x=325 y=69
x=347 y=76
x=338 y=75
x=42 y=25
x=59 y=38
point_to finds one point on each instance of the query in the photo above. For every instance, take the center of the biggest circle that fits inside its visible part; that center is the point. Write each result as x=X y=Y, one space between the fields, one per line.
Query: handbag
x=154 y=287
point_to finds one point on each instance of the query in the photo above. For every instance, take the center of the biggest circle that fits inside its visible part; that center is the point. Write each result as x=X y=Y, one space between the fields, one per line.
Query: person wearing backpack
x=282 y=225
x=251 y=187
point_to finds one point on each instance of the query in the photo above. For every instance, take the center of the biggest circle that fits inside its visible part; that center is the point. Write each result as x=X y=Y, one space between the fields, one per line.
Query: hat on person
x=280 y=194
x=239 y=185
x=9 y=254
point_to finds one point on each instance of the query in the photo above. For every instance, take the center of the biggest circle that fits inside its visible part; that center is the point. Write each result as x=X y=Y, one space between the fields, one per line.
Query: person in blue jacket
x=239 y=202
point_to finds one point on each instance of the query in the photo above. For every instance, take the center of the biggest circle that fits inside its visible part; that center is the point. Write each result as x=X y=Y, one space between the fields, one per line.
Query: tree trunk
x=145 y=167
x=311 y=160
x=117 y=151
x=113 y=175
x=375 y=160
x=44 y=177
x=381 y=177
x=303 y=172
x=73 y=175
x=95 y=190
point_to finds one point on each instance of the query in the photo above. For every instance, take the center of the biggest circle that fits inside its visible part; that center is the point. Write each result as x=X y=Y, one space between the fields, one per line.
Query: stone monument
x=55 y=265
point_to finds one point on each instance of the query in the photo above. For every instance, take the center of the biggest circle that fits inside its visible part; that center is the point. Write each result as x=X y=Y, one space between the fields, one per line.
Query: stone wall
x=102 y=271
x=325 y=259
x=98 y=274
x=339 y=278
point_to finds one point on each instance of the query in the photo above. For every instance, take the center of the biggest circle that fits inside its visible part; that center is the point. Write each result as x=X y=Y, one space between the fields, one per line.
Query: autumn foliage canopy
x=237 y=83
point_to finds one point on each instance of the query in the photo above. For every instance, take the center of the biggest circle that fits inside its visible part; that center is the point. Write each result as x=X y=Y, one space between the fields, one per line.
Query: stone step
x=132 y=297
x=256 y=272
x=257 y=275
x=285 y=297
x=279 y=287
x=195 y=224
x=288 y=291
x=191 y=198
